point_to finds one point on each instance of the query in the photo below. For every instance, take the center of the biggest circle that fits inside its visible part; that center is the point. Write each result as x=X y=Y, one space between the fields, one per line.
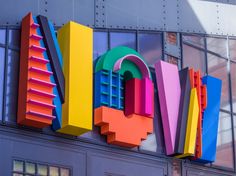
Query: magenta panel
x=147 y=99
x=169 y=91
x=139 y=97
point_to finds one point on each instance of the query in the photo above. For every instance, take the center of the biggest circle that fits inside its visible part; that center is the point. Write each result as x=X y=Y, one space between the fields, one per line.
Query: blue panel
x=2 y=63
x=56 y=43
x=109 y=88
x=56 y=124
x=210 y=119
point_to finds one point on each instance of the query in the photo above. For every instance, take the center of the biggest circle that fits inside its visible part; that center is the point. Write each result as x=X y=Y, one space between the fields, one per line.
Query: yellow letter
x=76 y=44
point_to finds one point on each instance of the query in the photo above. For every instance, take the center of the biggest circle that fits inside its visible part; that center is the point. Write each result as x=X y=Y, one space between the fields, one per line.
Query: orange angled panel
x=35 y=88
x=196 y=82
x=126 y=131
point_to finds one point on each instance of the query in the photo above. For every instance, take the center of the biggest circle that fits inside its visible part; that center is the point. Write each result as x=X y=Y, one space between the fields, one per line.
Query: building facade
x=196 y=33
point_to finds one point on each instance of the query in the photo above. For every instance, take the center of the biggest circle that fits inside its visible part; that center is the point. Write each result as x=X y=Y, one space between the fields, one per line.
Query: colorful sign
x=58 y=87
x=124 y=97
x=48 y=93
x=38 y=90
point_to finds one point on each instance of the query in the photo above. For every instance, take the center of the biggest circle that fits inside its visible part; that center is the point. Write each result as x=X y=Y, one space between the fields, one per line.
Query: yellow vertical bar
x=191 y=133
x=76 y=44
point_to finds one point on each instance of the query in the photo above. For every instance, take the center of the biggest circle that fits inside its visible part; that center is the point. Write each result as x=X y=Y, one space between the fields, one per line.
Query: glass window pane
x=122 y=39
x=16 y=174
x=149 y=144
x=194 y=40
x=14 y=37
x=194 y=58
x=53 y=171
x=233 y=84
x=18 y=166
x=65 y=172
x=2 y=36
x=224 y=155
x=100 y=44
x=30 y=168
x=2 y=66
x=217 y=67
x=42 y=170
x=171 y=38
x=176 y=171
x=155 y=141
x=232 y=49
x=235 y=135
x=217 y=45
x=12 y=86
x=172 y=60
x=150 y=47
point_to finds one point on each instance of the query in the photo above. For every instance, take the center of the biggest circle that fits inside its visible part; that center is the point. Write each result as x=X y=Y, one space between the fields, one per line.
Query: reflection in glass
x=100 y=44
x=172 y=60
x=18 y=166
x=65 y=172
x=194 y=40
x=14 y=38
x=224 y=155
x=233 y=84
x=176 y=171
x=217 y=45
x=235 y=135
x=2 y=36
x=2 y=62
x=149 y=143
x=171 y=38
x=150 y=47
x=217 y=67
x=194 y=58
x=232 y=49
x=122 y=39
x=30 y=168
x=42 y=170
x=53 y=171
x=12 y=86
x=16 y=174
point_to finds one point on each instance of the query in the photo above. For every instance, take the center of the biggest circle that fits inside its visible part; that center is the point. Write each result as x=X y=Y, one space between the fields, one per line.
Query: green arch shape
x=108 y=60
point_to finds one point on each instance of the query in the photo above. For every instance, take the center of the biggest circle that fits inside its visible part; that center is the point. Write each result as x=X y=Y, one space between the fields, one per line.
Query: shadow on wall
x=222 y=1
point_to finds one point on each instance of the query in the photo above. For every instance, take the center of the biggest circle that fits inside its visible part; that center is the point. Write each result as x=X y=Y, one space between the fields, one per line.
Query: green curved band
x=108 y=60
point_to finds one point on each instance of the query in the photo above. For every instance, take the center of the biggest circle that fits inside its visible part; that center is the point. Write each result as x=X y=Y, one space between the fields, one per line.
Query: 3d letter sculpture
x=42 y=86
x=169 y=92
x=186 y=133
x=183 y=111
x=191 y=132
x=76 y=44
x=210 y=119
x=124 y=97
x=37 y=98
x=196 y=82
x=123 y=92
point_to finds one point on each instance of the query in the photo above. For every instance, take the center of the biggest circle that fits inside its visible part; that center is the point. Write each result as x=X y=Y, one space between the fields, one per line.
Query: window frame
x=36 y=163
